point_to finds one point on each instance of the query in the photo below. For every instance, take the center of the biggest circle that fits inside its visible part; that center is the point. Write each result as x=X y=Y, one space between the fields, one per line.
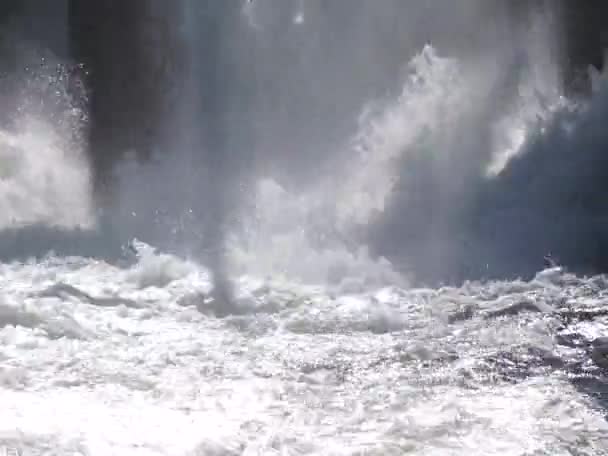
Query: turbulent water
x=99 y=359
x=110 y=345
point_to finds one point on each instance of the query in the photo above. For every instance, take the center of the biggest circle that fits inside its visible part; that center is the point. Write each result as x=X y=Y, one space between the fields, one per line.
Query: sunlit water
x=100 y=360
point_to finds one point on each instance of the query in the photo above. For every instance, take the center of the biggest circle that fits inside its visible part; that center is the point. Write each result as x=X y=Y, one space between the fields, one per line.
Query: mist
x=303 y=227
x=319 y=104
x=390 y=142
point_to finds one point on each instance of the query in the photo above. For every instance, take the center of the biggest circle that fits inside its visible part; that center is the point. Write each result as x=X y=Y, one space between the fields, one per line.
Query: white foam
x=299 y=370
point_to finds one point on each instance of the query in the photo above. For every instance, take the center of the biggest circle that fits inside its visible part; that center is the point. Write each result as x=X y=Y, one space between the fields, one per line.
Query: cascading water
x=321 y=198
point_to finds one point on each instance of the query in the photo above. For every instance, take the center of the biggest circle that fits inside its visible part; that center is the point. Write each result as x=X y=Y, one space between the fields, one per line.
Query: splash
x=44 y=174
x=428 y=149
x=294 y=237
x=425 y=150
x=313 y=235
x=433 y=91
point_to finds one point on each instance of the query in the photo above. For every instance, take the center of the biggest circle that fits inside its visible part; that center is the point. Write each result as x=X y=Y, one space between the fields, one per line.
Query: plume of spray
x=489 y=105
x=44 y=175
x=529 y=189
x=180 y=199
x=317 y=232
x=548 y=199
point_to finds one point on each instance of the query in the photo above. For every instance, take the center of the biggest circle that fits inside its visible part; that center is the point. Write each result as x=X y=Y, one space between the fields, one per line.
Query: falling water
x=320 y=162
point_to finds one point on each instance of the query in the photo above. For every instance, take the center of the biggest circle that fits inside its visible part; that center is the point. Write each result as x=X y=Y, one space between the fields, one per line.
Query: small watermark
x=16 y=451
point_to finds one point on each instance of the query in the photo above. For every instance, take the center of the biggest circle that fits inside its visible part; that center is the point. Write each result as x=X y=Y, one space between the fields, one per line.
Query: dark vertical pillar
x=127 y=48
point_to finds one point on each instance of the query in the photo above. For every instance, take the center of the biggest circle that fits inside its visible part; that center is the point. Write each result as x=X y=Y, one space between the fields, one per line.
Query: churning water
x=329 y=348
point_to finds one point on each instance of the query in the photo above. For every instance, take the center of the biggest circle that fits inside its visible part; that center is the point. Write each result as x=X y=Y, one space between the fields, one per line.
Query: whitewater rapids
x=99 y=359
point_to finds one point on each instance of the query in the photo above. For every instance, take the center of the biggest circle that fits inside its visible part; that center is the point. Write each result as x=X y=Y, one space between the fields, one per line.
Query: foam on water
x=94 y=362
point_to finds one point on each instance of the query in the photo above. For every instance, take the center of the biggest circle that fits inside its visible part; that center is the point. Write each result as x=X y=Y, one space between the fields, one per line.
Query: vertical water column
x=208 y=131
